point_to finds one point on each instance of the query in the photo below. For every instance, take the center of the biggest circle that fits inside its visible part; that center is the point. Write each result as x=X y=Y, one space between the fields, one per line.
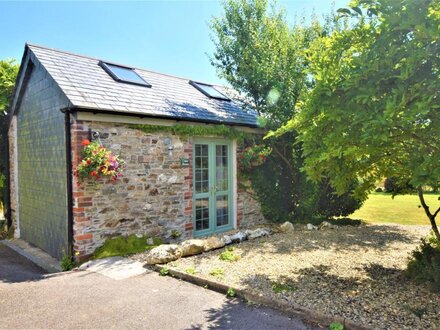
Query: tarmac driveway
x=31 y=299
x=15 y=268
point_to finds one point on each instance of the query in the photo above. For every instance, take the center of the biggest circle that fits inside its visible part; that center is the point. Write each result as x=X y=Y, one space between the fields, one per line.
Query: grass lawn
x=403 y=209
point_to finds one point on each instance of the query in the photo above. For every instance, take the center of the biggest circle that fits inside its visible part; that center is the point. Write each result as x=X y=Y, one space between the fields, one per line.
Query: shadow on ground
x=349 y=238
x=384 y=296
x=231 y=316
x=16 y=268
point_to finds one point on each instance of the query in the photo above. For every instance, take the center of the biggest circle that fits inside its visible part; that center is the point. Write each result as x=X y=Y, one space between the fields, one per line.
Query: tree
x=8 y=74
x=263 y=58
x=374 y=109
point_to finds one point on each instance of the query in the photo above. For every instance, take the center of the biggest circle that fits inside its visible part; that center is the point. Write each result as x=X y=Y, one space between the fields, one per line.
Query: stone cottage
x=173 y=184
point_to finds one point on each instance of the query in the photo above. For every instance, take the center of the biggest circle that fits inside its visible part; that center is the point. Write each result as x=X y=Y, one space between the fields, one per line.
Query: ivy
x=185 y=130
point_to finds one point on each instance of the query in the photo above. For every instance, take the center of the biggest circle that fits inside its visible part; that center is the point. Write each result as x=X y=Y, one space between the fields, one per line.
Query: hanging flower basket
x=99 y=162
x=254 y=156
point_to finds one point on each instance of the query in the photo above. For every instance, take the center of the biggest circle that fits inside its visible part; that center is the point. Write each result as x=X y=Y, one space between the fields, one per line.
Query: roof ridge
x=121 y=64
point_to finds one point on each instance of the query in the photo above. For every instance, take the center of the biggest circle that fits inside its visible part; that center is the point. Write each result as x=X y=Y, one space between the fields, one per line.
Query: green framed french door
x=212 y=186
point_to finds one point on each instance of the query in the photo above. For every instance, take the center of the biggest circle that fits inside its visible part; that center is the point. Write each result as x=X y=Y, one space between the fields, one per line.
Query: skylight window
x=209 y=91
x=124 y=74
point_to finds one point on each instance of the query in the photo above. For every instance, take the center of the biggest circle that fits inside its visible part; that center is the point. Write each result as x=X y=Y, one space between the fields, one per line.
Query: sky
x=166 y=36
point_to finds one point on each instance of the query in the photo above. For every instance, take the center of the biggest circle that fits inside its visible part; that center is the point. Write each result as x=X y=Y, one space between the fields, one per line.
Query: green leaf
x=344 y=11
x=357 y=10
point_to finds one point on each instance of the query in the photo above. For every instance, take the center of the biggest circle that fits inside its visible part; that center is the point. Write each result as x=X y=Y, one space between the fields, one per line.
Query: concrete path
x=117 y=268
x=83 y=299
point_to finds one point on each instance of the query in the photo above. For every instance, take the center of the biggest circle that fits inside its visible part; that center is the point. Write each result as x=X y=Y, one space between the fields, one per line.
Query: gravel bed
x=352 y=272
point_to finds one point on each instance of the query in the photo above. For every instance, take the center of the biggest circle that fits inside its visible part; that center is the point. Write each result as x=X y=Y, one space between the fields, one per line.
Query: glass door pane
x=202 y=191
x=221 y=185
x=222 y=207
x=201 y=168
x=202 y=214
x=221 y=162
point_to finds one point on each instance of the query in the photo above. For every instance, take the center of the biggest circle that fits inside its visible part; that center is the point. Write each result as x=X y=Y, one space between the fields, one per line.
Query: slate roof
x=87 y=85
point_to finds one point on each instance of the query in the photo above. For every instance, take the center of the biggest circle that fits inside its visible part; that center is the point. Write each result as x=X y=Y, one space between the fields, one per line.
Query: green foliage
x=229 y=255
x=164 y=271
x=231 y=293
x=261 y=57
x=8 y=75
x=336 y=326
x=191 y=270
x=67 y=263
x=373 y=111
x=266 y=60
x=253 y=156
x=217 y=272
x=175 y=234
x=195 y=130
x=330 y=204
x=98 y=161
x=282 y=287
x=6 y=233
x=424 y=264
x=395 y=186
x=123 y=246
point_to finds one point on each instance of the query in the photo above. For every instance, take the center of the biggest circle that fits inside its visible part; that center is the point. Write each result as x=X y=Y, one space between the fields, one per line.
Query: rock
x=192 y=247
x=311 y=227
x=286 y=227
x=213 y=243
x=163 y=254
x=162 y=178
x=173 y=179
x=150 y=241
x=326 y=224
x=252 y=234
x=226 y=239
x=238 y=237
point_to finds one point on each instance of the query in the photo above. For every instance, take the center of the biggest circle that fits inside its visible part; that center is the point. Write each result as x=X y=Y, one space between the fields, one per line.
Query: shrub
x=330 y=204
x=378 y=189
x=285 y=193
x=281 y=287
x=336 y=326
x=164 y=271
x=231 y=293
x=397 y=186
x=424 y=264
x=190 y=271
x=229 y=255
x=67 y=263
x=217 y=272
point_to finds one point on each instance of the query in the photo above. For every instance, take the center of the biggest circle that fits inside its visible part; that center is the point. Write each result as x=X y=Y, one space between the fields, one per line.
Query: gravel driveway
x=351 y=272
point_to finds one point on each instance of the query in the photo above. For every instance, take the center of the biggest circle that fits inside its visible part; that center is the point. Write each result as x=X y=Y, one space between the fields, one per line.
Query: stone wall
x=248 y=209
x=154 y=197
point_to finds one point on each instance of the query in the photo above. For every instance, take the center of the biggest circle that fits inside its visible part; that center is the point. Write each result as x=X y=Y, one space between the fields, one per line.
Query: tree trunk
x=430 y=215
